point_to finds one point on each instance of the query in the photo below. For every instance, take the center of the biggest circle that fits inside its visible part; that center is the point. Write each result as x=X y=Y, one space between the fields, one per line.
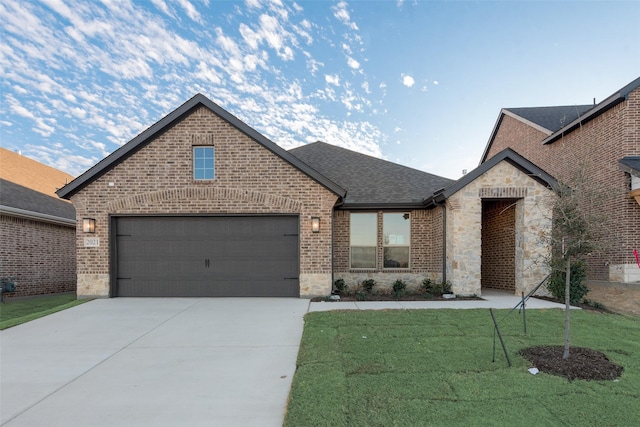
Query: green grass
x=434 y=367
x=14 y=313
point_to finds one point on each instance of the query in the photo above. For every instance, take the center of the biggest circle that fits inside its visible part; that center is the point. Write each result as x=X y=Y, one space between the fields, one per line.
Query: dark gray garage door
x=207 y=256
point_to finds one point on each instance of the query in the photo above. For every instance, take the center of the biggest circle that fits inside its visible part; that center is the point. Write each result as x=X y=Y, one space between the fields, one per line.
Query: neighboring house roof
x=169 y=121
x=550 y=119
x=541 y=118
x=20 y=201
x=29 y=173
x=630 y=164
x=507 y=155
x=370 y=182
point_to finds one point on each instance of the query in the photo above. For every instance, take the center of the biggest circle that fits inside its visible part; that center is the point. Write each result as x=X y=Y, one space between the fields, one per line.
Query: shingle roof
x=175 y=117
x=370 y=182
x=15 y=198
x=630 y=164
x=551 y=118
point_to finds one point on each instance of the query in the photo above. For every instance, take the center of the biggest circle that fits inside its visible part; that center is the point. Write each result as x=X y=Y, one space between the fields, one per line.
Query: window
x=203 y=163
x=397 y=231
x=364 y=240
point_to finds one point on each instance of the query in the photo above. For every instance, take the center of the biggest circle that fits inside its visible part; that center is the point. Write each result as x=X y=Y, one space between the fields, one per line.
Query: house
x=601 y=142
x=38 y=228
x=201 y=204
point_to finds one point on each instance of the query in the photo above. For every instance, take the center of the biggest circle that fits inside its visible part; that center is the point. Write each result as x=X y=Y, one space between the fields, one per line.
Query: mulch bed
x=387 y=297
x=582 y=364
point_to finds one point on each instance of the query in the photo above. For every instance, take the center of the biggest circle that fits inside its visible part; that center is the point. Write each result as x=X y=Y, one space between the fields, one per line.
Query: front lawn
x=13 y=313
x=433 y=367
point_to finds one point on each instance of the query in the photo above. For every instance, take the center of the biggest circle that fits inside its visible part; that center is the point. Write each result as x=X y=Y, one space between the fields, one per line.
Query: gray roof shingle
x=551 y=118
x=630 y=164
x=370 y=182
x=16 y=196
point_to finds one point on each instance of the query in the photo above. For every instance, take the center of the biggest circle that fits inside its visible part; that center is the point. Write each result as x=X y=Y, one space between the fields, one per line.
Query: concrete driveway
x=159 y=362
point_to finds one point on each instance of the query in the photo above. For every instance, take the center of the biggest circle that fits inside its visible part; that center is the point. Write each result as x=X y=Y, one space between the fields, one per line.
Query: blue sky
x=420 y=83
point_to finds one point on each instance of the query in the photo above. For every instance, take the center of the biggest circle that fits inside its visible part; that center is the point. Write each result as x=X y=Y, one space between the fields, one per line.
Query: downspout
x=444 y=242
x=339 y=203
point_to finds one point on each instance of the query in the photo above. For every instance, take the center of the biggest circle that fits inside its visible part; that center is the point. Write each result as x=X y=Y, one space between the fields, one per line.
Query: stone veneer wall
x=464 y=222
x=249 y=179
x=425 y=251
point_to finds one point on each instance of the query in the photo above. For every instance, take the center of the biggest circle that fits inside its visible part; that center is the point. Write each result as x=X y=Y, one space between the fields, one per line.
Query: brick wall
x=499 y=244
x=594 y=150
x=425 y=251
x=41 y=256
x=249 y=179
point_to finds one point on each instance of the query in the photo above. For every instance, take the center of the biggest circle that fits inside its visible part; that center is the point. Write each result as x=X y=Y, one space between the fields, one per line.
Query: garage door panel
x=207 y=256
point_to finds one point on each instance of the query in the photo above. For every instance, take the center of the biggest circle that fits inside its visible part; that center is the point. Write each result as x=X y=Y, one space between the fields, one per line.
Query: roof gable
x=507 y=155
x=370 y=182
x=550 y=119
x=171 y=120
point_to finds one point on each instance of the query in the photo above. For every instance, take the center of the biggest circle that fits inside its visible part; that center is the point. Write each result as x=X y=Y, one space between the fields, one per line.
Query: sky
x=419 y=83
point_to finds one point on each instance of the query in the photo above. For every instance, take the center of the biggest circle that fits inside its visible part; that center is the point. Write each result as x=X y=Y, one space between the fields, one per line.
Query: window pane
x=396 y=257
x=364 y=229
x=363 y=257
x=203 y=163
x=396 y=229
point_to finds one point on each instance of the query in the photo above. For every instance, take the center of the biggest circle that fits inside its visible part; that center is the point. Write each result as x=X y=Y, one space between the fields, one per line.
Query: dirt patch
x=582 y=364
x=617 y=299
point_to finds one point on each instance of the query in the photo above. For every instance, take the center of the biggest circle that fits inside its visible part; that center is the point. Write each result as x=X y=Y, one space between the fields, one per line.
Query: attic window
x=203 y=163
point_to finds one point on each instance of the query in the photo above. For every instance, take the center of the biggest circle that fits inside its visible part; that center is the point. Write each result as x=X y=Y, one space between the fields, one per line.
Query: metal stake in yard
x=504 y=348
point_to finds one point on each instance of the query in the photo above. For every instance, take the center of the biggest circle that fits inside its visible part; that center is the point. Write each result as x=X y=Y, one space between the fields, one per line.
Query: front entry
x=498 y=268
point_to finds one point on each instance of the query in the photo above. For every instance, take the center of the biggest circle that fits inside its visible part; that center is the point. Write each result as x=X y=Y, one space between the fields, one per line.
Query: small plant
x=595 y=304
x=361 y=296
x=399 y=287
x=446 y=287
x=368 y=285
x=340 y=287
x=577 y=288
x=428 y=295
x=427 y=286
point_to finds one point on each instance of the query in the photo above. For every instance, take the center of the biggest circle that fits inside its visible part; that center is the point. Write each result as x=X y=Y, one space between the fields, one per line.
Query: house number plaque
x=91 y=242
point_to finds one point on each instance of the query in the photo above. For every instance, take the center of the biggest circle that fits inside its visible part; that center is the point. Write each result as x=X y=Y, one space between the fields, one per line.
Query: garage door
x=207 y=256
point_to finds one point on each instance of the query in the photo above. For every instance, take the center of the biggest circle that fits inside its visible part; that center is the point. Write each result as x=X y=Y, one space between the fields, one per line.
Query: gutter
x=36 y=216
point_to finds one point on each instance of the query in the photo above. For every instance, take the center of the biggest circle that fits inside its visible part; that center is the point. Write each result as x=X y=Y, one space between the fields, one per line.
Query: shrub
x=368 y=285
x=427 y=286
x=399 y=287
x=577 y=288
x=340 y=287
x=446 y=287
x=361 y=296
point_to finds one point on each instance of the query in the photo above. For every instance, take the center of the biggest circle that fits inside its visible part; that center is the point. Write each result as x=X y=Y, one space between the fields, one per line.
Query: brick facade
x=249 y=179
x=425 y=251
x=40 y=255
x=593 y=149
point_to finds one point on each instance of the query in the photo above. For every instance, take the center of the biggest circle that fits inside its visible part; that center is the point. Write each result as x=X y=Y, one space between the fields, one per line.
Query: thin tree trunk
x=567 y=307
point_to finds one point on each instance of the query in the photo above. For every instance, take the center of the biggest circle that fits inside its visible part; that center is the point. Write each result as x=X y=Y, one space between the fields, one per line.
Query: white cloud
x=435 y=82
x=353 y=63
x=342 y=14
x=407 y=80
x=190 y=10
x=332 y=79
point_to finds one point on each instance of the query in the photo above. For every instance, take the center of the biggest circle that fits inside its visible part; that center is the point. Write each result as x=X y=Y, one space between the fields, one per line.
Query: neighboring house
x=600 y=141
x=200 y=204
x=37 y=228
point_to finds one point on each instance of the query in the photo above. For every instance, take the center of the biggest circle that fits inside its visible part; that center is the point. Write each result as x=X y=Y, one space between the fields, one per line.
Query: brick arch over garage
x=254 y=198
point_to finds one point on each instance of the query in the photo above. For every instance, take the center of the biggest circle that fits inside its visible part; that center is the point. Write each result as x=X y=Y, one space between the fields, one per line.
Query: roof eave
x=610 y=102
x=382 y=206
x=36 y=216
